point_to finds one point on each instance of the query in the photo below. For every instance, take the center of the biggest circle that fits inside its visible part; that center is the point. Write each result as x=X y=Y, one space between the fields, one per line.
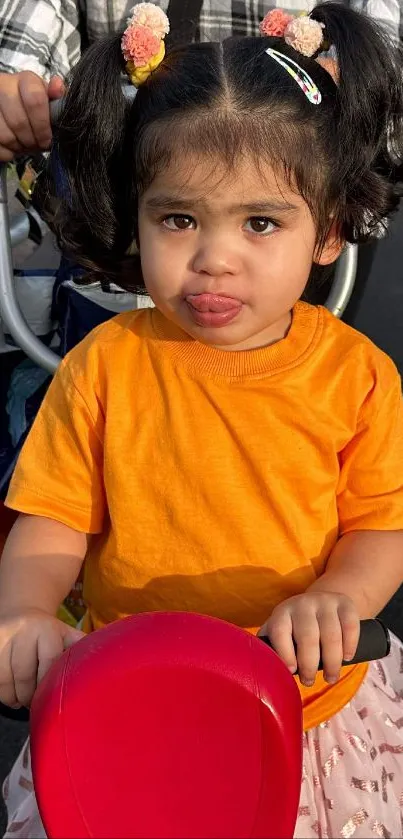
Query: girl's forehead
x=217 y=183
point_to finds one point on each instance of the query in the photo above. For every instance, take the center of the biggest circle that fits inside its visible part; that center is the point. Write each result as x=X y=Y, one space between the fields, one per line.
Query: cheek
x=146 y=262
x=150 y=251
x=287 y=256
x=283 y=270
x=160 y=271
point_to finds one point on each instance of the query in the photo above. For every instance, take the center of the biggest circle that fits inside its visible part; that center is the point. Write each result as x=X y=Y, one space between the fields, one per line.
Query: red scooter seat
x=167 y=725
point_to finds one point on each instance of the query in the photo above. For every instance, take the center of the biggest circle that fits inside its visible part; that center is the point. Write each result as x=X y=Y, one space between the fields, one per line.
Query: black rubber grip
x=374 y=643
x=17 y=714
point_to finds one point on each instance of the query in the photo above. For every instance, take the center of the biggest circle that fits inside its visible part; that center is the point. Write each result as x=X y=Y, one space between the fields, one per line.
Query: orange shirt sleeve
x=59 y=473
x=370 y=493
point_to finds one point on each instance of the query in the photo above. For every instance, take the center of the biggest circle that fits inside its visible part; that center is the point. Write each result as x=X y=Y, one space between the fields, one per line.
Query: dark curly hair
x=343 y=156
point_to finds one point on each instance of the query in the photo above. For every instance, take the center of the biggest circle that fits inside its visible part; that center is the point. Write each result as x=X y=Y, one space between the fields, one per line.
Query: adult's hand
x=24 y=112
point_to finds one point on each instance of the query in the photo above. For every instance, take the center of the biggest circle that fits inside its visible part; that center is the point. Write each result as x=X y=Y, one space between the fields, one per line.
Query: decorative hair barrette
x=305 y=36
x=300 y=76
x=143 y=41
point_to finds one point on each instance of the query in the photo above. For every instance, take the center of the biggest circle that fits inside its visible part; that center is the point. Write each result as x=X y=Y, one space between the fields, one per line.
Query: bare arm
x=367 y=567
x=40 y=563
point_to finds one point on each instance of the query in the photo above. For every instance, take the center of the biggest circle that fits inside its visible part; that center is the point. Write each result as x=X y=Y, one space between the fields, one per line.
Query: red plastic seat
x=168 y=725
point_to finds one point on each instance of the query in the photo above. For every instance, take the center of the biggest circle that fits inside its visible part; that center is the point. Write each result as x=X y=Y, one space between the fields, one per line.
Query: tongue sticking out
x=213 y=303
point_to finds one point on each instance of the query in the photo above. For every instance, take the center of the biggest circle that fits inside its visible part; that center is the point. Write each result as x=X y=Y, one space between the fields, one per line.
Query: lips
x=213 y=310
x=213 y=303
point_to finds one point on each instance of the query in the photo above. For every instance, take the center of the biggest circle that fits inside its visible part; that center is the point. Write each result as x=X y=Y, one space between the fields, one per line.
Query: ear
x=332 y=248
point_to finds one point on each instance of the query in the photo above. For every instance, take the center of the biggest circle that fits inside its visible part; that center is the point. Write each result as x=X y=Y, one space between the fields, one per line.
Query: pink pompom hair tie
x=302 y=33
x=143 y=41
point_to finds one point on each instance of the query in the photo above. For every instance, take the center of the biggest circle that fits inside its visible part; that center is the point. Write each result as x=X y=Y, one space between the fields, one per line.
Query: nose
x=216 y=255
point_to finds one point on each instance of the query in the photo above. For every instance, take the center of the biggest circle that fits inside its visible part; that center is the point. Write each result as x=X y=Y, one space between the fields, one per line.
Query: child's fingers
x=306 y=635
x=33 y=129
x=279 y=630
x=331 y=642
x=24 y=666
x=71 y=635
x=50 y=647
x=350 y=628
x=7 y=689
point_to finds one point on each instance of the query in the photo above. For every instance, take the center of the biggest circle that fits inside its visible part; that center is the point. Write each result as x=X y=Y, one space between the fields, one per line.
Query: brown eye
x=260 y=224
x=179 y=222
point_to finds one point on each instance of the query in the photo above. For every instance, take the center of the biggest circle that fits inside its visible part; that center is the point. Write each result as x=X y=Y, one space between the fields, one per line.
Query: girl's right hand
x=30 y=642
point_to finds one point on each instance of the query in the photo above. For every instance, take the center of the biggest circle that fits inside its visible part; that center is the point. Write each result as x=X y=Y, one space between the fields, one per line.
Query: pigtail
x=87 y=178
x=369 y=115
x=370 y=87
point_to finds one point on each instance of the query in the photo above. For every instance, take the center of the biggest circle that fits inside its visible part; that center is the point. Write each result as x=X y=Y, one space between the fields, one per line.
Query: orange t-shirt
x=214 y=481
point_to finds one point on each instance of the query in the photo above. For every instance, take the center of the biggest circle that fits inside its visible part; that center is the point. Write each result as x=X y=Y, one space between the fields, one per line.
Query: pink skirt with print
x=352 y=782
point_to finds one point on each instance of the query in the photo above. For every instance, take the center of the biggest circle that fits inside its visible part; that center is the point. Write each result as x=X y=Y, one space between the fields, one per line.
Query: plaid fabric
x=46 y=35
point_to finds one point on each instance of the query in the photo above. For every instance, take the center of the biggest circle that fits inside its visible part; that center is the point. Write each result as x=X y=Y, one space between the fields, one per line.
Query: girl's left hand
x=321 y=624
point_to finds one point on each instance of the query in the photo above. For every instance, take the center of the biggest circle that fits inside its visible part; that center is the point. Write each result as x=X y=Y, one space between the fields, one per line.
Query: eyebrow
x=170 y=202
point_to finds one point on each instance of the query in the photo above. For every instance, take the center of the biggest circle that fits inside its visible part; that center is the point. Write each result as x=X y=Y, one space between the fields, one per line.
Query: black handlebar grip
x=374 y=643
x=17 y=714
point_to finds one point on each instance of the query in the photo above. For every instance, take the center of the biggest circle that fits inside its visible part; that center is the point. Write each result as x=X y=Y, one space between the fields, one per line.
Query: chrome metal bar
x=13 y=321
x=19 y=229
x=343 y=283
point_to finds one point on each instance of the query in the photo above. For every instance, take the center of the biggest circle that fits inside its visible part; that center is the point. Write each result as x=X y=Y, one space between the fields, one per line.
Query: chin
x=223 y=338
x=216 y=338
